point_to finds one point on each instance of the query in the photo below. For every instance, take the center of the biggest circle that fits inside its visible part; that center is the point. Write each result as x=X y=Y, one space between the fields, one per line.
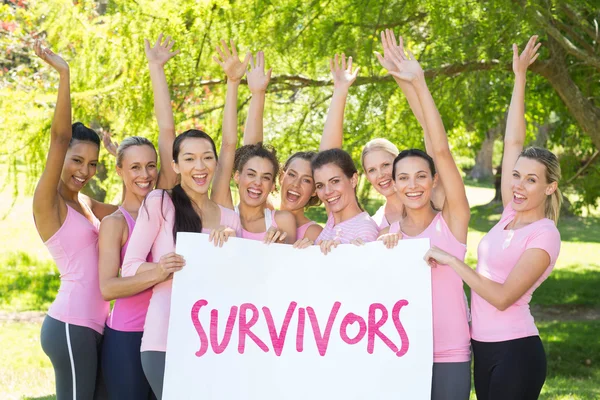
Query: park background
x=464 y=47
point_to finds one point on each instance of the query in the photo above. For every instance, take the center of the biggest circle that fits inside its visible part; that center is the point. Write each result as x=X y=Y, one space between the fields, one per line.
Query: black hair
x=307 y=156
x=339 y=158
x=245 y=153
x=82 y=133
x=186 y=217
x=413 y=153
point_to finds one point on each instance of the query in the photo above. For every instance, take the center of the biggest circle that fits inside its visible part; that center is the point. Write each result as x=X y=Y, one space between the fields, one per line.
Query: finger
x=343 y=62
x=233 y=49
x=261 y=59
x=283 y=236
x=379 y=57
x=337 y=62
x=225 y=48
x=515 y=52
x=246 y=60
x=536 y=48
x=166 y=42
x=275 y=237
x=174 y=53
x=251 y=62
x=350 y=64
x=533 y=59
x=269 y=235
x=220 y=53
x=170 y=45
x=218 y=61
x=146 y=45
x=212 y=235
x=411 y=56
x=269 y=73
x=384 y=42
x=158 y=40
x=355 y=74
x=331 y=65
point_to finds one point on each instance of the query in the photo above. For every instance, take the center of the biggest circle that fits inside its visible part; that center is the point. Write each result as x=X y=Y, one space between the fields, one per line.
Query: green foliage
x=111 y=87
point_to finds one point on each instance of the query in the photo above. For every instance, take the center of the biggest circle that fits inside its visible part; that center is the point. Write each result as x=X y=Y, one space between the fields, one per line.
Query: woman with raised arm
x=255 y=165
x=415 y=176
x=185 y=208
x=378 y=154
x=137 y=166
x=514 y=258
x=68 y=221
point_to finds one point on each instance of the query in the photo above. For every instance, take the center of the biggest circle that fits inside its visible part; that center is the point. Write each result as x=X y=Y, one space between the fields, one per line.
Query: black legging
x=514 y=369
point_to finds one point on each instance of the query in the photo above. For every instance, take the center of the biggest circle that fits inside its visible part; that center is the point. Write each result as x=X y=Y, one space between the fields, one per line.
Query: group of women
x=127 y=253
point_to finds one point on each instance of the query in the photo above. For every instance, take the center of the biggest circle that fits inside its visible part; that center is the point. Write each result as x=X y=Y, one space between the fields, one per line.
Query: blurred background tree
x=464 y=45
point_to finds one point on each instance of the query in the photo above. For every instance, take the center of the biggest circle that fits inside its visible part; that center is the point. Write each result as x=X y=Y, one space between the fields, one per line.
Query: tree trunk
x=582 y=109
x=483 y=168
x=543 y=133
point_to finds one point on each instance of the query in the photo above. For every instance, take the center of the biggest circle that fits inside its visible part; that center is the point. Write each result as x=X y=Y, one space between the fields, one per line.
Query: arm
x=157 y=57
x=530 y=267
x=235 y=70
x=257 y=83
x=110 y=243
x=45 y=198
x=514 y=138
x=343 y=77
x=456 y=209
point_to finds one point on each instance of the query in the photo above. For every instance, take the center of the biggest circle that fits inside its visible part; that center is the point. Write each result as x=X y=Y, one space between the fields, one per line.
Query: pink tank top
x=74 y=248
x=360 y=226
x=129 y=313
x=301 y=231
x=451 y=337
x=269 y=222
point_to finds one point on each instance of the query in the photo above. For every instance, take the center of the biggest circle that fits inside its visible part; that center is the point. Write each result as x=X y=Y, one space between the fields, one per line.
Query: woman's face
x=80 y=164
x=529 y=186
x=255 y=181
x=196 y=163
x=297 y=185
x=378 y=167
x=138 y=170
x=414 y=182
x=334 y=188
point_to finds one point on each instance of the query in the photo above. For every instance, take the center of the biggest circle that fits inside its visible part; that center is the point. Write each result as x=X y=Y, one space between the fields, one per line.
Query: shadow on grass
x=572 y=229
x=27 y=283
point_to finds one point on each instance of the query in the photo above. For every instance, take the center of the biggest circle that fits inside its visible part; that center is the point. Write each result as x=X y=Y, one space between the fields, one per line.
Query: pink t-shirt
x=380 y=219
x=153 y=234
x=360 y=226
x=451 y=338
x=74 y=248
x=301 y=230
x=129 y=313
x=498 y=253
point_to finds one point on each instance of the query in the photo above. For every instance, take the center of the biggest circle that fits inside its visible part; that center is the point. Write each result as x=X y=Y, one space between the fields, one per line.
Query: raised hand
x=343 y=76
x=407 y=67
x=257 y=79
x=230 y=62
x=161 y=52
x=527 y=57
x=54 y=60
x=389 y=44
x=110 y=146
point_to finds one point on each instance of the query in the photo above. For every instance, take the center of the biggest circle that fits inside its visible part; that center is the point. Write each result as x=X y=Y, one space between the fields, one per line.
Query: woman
x=186 y=208
x=336 y=178
x=415 y=177
x=256 y=166
x=514 y=258
x=137 y=166
x=68 y=221
x=378 y=154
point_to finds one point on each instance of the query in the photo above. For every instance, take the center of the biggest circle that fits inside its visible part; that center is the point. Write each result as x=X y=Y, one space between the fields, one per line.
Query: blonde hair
x=378 y=144
x=553 y=174
x=130 y=142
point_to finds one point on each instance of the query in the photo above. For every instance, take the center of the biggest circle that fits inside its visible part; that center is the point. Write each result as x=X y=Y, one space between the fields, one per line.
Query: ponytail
x=186 y=218
x=553 y=205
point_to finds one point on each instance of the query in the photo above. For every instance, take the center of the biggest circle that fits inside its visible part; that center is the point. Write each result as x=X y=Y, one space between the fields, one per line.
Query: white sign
x=251 y=321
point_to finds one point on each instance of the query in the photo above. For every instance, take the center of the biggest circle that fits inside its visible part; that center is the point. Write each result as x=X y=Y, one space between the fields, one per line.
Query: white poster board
x=354 y=324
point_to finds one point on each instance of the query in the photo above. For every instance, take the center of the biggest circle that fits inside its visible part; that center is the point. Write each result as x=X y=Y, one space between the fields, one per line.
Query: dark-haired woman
x=186 y=208
x=415 y=177
x=336 y=178
x=256 y=165
x=137 y=166
x=68 y=222
x=514 y=258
